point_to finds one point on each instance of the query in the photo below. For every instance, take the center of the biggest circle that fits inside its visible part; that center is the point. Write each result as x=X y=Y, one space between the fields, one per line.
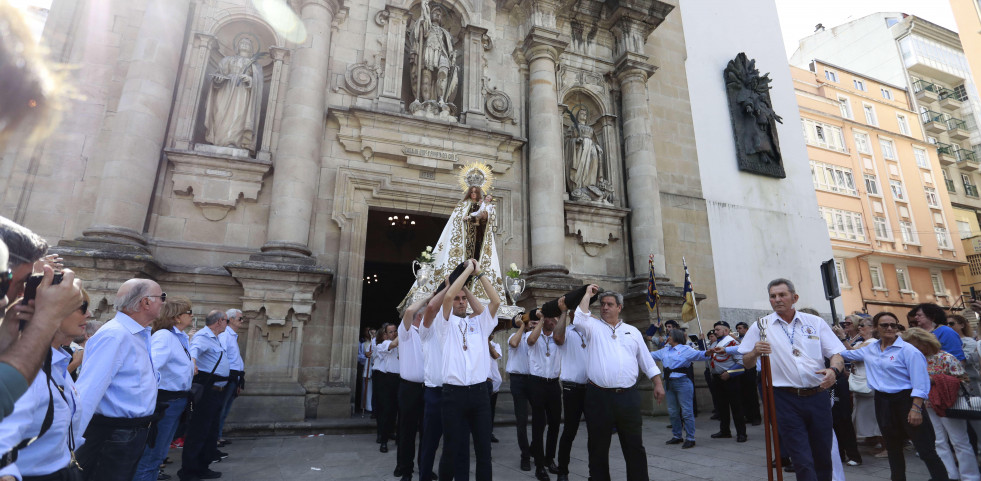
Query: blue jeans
x=680 y=392
x=230 y=396
x=149 y=464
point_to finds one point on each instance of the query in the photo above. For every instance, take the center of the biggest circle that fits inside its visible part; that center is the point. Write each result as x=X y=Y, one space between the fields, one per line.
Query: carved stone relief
x=361 y=78
x=434 y=63
x=754 y=123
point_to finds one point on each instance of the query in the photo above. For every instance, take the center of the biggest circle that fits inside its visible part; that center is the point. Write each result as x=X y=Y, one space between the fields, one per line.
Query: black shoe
x=756 y=422
x=688 y=444
x=552 y=468
x=721 y=434
x=674 y=441
x=541 y=474
x=562 y=477
x=669 y=426
x=715 y=417
x=398 y=472
x=741 y=438
x=161 y=476
x=434 y=478
x=789 y=468
x=494 y=438
x=383 y=448
x=209 y=474
x=407 y=477
x=221 y=455
x=167 y=461
x=526 y=464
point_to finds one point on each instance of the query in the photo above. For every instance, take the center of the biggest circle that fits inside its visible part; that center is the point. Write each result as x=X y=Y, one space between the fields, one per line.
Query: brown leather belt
x=801 y=392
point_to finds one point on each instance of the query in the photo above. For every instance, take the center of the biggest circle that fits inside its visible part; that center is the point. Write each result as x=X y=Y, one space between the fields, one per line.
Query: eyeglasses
x=846 y=323
x=85 y=307
x=5 y=278
x=162 y=296
x=888 y=325
x=189 y=312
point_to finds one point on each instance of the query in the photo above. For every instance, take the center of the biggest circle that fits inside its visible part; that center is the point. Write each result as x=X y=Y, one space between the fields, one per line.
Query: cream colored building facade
x=367 y=110
x=880 y=190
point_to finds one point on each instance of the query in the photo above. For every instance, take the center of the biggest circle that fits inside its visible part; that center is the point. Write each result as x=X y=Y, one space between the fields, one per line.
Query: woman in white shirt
x=386 y=380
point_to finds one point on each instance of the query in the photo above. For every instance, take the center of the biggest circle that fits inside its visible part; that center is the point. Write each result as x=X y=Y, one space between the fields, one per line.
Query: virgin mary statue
x=469 y=233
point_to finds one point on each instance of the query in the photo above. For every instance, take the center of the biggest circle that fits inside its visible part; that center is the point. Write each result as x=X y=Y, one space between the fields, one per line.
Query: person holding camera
x=118 y=385
x=201 y=440
x=41 y=433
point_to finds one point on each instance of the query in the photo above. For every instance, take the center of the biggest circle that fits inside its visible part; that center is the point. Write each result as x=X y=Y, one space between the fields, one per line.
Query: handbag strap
x=10 y=457
x=181 y=343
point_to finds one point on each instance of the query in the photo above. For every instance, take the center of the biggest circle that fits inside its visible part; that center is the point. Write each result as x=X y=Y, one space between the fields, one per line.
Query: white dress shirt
x=48 y=453
x=544 y=357
x=209 y=355
x=613 y=362
x=171 y=355
x=495 y=369
x=465 y=367
x=518 y=356
x=813 y=339
x=386 y=360
x=229 y=340
x=574 y=356
x=411 y=362
x=432 y=353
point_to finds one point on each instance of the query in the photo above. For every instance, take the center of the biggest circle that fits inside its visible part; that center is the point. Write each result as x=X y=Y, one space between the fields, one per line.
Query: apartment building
x=881 y=190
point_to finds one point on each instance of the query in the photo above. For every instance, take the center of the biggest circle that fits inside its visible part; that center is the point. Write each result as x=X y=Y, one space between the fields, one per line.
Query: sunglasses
x=888 y=325
x=846 y=323
x=5 y=278
x=189 y=312
x=85 y=307
x=162 y=296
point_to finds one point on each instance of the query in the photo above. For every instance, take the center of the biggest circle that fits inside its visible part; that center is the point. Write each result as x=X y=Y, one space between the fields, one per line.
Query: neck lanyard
x=613 y=328
x=548 y=351
x=790 y=336
x=581 y=338
x=463 y=332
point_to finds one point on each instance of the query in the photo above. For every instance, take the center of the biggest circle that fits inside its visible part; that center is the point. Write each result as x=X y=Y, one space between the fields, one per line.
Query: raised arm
x=432 y=308
x=515 y=340
x=495 y=300
x=454 y=289
x=475 y=304
x=537 y=331
x=558 y=335
x=591 y=291
x=410 y=312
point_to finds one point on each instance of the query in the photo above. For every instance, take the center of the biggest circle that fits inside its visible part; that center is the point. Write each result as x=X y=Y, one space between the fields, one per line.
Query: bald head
x=140 y=299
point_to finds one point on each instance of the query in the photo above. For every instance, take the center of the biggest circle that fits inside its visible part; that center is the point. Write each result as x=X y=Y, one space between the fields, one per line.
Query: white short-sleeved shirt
x=573 y=356
x=614 y=362
x=465 y=367
x=432 y=353
x=386 y=360
x=495 y=369
x=812 y=337
x=518 y=356
x=544 y=358
x=411 y=361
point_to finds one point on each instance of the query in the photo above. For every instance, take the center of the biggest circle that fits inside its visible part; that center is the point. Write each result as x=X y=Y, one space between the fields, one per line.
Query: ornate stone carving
x=216 y=182
x=361 y=78
x=381 y=18
x=235 y=100
x=433 y=65
x=487 y=42
x=585 y=161
x=497 y=104
x=594 y=226
x=754 y=123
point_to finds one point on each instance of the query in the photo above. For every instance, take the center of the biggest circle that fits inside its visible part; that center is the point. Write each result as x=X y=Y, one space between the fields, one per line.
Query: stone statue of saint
x=234 y=100
x=432 y=60
x=583 y=157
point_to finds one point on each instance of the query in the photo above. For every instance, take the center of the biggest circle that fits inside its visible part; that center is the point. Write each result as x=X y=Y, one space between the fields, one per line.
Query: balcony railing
x=945 y=149
x=927 y=116
x=971 y=190
x=921 y=85
x=950 y=185
x=955 y=123
x=965 y=155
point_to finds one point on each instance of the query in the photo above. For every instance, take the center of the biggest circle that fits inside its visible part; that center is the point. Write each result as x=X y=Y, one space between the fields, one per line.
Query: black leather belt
x=801 y=392
x=545 y=379
x=617 y=390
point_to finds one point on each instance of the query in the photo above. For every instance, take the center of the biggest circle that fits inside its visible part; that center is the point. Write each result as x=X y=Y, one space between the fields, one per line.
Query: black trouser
x=519 y=393
x=750 y=396
x=713 y=390
x=573 y=397
x=729 y=396
x=546 y=408
x=201 y=439
x=432 y=431
x=841 y=416
x=113 y=447
x=493 y=402
x=891 y=411
x=358 y=388
x=385 y=403
x=467 y=407
x=619 y=408
x=410 y=423
x=69 y=473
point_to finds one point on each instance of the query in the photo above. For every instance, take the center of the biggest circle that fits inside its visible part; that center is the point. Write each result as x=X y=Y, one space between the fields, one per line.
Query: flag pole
x=657 y=304
x=694 y=302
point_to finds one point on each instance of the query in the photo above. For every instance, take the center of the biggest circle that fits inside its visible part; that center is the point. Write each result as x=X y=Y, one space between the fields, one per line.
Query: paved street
x=356 y=457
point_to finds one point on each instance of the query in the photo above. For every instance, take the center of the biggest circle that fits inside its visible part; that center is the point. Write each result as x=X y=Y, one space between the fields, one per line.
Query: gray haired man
x=201 y=440
x=236 y=368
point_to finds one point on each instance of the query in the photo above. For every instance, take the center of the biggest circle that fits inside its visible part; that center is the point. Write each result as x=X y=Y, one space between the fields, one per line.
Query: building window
x=950 y=183
x=890 y=21
x=862 y=143
x=888 y=150
x=898 y=193
x=824 y=135
x=943 y=238
x=833 y=178
x=964 y=229
x=903 y=279
x=903 y=124
x=922 y=160
x=970 y=189
x=886 y=94
x=831 y=75
x=881 y=227
x=875 y=274
x=846 y=107
x=909 y=235
x=860 y=85
x=974 y=264
x=840 y=271
x=960 y=92
x=933 y=200
x=843 y=224
x=871 y=184
x=870 y=117
x=938 y=284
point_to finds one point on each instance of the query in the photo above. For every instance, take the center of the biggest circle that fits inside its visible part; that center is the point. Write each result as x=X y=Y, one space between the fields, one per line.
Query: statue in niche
x=754 y=123
x=584 y=161
x=433 y=65
x=234 y=100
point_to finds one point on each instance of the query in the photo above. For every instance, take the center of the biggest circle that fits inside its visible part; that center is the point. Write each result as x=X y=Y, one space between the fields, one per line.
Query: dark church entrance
x=394 y=239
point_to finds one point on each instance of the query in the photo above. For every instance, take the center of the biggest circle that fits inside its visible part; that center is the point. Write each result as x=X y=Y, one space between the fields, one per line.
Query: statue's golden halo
x=476 y=174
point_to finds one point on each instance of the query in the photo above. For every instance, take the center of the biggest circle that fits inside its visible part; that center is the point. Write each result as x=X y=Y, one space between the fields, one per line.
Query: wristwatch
x=837 y=372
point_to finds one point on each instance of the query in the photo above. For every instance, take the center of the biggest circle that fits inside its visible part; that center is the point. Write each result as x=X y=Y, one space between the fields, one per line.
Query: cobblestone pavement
x=356 y=457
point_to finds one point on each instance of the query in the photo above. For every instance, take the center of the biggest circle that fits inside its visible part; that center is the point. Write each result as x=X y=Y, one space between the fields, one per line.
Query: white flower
x=514 y=266
x=429 y=248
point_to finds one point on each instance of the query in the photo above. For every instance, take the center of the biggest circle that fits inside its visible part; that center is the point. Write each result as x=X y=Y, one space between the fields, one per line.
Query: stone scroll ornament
x=754 y=123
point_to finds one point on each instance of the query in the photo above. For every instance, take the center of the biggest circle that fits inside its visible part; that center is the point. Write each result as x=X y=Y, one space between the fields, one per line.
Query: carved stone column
x=541 y=51
x=191 y=90
x=473 y=98
x=132 y=145
x=391 y=83
x=279 y=56
x=297 y=161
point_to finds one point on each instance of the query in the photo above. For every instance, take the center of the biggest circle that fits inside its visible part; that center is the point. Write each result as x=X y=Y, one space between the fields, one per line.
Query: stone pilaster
x=396 y=20
x=473 y=97
x=297 y=159
x=191 y=90
x=133 y=143
x=546 y=180
x=280 y=57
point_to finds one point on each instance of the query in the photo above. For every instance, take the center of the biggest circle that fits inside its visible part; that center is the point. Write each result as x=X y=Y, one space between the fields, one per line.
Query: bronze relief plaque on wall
x=754 y=123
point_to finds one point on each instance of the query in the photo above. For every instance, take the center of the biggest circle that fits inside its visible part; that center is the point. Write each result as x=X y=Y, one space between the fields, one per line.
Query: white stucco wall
x=761 y=227
x=864 y=45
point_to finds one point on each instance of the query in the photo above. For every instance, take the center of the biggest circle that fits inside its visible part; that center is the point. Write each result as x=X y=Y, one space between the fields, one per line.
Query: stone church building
x=290 y=158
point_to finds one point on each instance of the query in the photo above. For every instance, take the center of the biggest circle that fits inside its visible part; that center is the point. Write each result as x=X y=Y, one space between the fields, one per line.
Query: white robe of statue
x=232 y=116
x=583 y=154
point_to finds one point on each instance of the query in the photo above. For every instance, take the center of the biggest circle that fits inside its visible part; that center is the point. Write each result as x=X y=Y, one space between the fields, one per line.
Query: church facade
x=233 y=149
